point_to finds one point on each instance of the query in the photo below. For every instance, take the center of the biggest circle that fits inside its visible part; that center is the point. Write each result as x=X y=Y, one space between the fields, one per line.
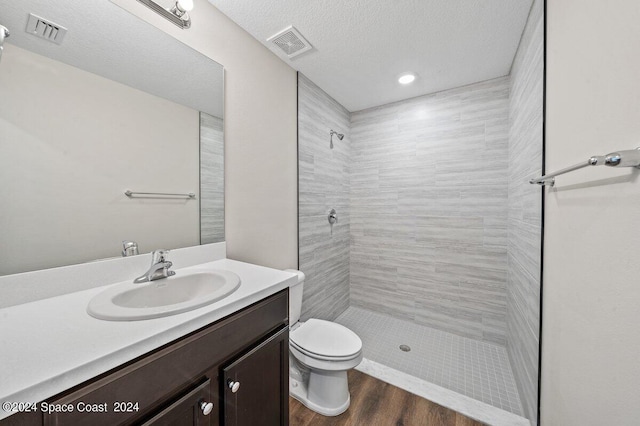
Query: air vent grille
x=45 y=29
x=291 y=42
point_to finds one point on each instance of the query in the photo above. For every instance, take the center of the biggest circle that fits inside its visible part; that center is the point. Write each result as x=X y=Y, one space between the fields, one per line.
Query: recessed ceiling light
x=406 y=78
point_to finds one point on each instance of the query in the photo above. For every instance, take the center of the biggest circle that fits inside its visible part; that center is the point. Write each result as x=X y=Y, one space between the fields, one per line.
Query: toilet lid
x=326 y=338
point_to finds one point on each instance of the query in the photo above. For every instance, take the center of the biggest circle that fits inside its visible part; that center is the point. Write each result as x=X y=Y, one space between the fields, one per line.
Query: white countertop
x=51 y=345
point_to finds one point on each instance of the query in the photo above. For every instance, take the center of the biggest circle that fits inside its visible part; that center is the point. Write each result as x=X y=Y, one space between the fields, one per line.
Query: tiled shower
x=429 y=210
x=437 y=244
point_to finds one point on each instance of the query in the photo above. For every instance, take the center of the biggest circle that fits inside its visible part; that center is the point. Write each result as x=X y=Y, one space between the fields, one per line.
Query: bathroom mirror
x=96 y=102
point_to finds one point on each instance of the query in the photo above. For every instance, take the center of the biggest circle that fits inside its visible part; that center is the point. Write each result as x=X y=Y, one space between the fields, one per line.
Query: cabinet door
x=191 y=409
x=256 y=385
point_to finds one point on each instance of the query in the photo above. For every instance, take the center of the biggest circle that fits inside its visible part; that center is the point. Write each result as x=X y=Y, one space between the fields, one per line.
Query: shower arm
x=333 y=132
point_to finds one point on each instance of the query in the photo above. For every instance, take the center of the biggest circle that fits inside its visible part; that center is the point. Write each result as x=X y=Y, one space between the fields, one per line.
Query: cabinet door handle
x=206 y=407
x=234 y=386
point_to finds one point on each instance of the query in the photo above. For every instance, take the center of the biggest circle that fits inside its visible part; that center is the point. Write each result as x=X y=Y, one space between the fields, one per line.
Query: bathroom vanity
x=228 y=366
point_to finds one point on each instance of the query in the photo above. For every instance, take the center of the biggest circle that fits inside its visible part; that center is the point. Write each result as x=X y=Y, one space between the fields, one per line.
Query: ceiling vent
x=291 y=42
x=45 y=29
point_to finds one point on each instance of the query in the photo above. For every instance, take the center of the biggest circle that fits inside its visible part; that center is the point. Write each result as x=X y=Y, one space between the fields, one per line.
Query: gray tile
x=473 y=368
x=211 y=179
x=323 y=185
x=429 y=209
x=524 y=210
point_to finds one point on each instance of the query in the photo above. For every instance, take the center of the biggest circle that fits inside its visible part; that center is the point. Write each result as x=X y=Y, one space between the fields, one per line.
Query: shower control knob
x=333 y=216
x=206 y=407
x=234 y=386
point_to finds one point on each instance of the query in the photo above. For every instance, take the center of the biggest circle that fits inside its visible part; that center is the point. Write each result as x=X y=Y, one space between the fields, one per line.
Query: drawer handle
x=234 y=386
x=206 y=407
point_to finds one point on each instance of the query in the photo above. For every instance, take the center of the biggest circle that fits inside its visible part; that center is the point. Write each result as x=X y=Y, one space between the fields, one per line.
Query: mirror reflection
x=116 y=106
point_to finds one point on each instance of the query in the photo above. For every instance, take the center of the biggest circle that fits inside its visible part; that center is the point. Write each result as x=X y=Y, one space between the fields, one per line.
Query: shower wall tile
x=524 y=229
x=323 y=185
x=211 y=179
x=429 y=210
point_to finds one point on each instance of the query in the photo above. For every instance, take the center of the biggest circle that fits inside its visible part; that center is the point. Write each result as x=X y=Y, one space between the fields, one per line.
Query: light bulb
x=184 y=5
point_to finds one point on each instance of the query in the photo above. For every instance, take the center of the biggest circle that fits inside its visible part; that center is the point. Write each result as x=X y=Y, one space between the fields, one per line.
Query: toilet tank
x=295 y=296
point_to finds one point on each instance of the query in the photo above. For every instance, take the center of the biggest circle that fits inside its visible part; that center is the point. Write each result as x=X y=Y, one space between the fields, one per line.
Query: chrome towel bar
x=627 y=158
x=132 y=194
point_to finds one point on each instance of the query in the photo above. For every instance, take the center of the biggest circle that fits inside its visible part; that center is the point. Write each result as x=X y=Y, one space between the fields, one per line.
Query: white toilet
x=320 y=353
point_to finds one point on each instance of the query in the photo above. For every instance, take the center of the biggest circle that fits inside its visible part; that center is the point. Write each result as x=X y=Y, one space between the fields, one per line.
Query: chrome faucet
x=159 y=268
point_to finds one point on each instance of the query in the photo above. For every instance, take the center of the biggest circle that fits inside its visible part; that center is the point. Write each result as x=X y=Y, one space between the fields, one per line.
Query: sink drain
x=405 y=348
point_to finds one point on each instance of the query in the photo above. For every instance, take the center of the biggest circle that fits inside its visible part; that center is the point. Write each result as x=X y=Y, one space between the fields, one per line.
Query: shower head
x=339 y=135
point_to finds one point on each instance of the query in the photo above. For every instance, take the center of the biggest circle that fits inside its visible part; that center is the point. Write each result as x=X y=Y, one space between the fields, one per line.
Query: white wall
x=591 y=284
x=71 y=143
x=260 y=135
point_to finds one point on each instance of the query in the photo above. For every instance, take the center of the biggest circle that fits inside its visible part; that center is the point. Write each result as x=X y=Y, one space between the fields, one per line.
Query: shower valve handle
x=333 y=216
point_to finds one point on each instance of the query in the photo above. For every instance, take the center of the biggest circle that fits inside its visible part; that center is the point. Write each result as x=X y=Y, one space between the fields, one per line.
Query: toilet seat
x=325 y=340
x=325 y=365
x=322 y=357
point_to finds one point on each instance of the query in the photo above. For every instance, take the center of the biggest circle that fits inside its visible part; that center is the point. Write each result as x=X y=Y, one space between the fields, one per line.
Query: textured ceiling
x=106 y=40
x=361 y=46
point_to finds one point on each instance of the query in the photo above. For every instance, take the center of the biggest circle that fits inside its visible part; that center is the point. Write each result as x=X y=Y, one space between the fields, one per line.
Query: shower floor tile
x=473 y=368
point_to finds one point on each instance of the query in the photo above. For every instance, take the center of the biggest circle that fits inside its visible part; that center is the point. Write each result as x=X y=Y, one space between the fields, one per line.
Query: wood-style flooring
x=376 y=403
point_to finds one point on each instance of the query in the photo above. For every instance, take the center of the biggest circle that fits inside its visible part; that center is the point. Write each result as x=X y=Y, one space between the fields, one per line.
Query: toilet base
x=299 y=391
x=320 y=382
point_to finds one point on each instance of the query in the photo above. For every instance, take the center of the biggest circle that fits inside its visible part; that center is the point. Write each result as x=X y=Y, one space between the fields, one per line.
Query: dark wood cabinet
x=195 y=408
x=254 y=390
x=168 y=385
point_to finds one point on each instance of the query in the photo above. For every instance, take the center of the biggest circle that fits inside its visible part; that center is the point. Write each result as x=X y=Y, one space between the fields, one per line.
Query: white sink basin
x=168 y=296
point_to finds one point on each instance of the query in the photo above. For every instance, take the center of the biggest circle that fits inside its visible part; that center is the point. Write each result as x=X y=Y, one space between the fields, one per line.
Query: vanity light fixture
x=406 y=78
x=178 y=13
x=4 y=33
